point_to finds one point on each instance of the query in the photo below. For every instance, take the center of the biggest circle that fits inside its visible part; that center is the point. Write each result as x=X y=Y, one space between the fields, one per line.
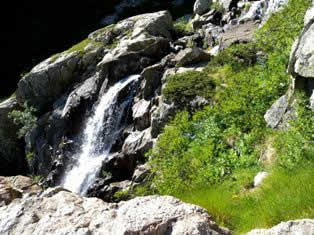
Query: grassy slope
x=214 y=153
x=284 y=195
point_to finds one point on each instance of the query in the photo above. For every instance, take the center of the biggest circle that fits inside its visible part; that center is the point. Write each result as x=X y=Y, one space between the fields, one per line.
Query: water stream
x=101 y=130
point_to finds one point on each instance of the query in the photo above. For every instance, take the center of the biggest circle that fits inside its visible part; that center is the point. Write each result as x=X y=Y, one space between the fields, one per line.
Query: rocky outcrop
x=57 y=211
x=14 y=187
x=65 y=86
x=302 y=55
x=12 y=155
x=190 y=56
x=281 y=112
x=293 y=227
x=301 y=64
x=48 y=80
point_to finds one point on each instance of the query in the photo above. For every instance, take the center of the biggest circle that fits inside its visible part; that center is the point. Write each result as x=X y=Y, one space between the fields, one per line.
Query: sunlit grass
x=284 y=195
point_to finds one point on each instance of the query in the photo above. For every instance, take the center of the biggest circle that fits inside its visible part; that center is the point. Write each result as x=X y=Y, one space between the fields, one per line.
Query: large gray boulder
x=302 y=55
x=202 y=6
x=276 y=112
x=140 y=41
x=301 y=64
x=57 y=211
x=141 y=115
x=12 y=155
x=293 y=227
x=47 y=81
x=123 y=49
x=191 y=56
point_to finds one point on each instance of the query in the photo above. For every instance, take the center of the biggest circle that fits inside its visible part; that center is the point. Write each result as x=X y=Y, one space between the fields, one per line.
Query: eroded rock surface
x=57 y=211
x=294 y=227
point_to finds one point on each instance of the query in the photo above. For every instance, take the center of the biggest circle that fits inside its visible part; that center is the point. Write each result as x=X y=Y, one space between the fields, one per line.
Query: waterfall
x=101 y=130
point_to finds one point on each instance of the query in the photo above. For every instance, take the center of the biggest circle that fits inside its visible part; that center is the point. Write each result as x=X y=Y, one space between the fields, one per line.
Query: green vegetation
x=121 y=195
x=284 y=195
x=25 y=118
x=218 y=7
x=183 y=25
x=215 y=152
x=29 y=156
x=35 y=178
x=181 y=88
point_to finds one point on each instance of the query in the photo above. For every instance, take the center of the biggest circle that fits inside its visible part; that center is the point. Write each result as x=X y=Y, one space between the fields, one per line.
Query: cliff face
x=38 y=31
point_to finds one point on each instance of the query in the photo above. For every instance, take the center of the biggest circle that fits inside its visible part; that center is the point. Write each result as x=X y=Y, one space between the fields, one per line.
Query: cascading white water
x=101 y=131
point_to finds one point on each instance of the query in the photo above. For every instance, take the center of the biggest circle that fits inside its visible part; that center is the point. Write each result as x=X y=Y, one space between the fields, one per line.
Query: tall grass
x=284 y=195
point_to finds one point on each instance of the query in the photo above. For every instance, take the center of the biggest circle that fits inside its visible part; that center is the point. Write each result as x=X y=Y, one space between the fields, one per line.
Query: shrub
x=25 y=118
x=182 y=25
x=204 y=148
x=183 y=87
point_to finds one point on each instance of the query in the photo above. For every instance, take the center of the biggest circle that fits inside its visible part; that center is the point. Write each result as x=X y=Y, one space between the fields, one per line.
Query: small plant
x=106 y=174
x=25 y=118
x=29 y=156
x=35 y=178
x=183 y=25
x=121 y=195
x=218 y=7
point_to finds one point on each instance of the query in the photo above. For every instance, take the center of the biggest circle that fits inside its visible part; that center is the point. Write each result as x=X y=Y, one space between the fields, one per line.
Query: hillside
x=215 y=108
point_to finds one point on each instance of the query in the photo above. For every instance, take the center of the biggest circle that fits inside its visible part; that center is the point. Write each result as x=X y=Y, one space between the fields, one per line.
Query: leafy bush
x=183 y=87
x=26 y=119
x=237 y=56
x=282 y=28
x=201 y=149
x=194 y=152
x=182 y=25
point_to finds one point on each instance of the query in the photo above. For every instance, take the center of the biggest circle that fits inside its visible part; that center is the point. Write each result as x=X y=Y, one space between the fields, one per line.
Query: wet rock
x=12 y=155
x=85 y=91
x=62 y=212
x=293 y=227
